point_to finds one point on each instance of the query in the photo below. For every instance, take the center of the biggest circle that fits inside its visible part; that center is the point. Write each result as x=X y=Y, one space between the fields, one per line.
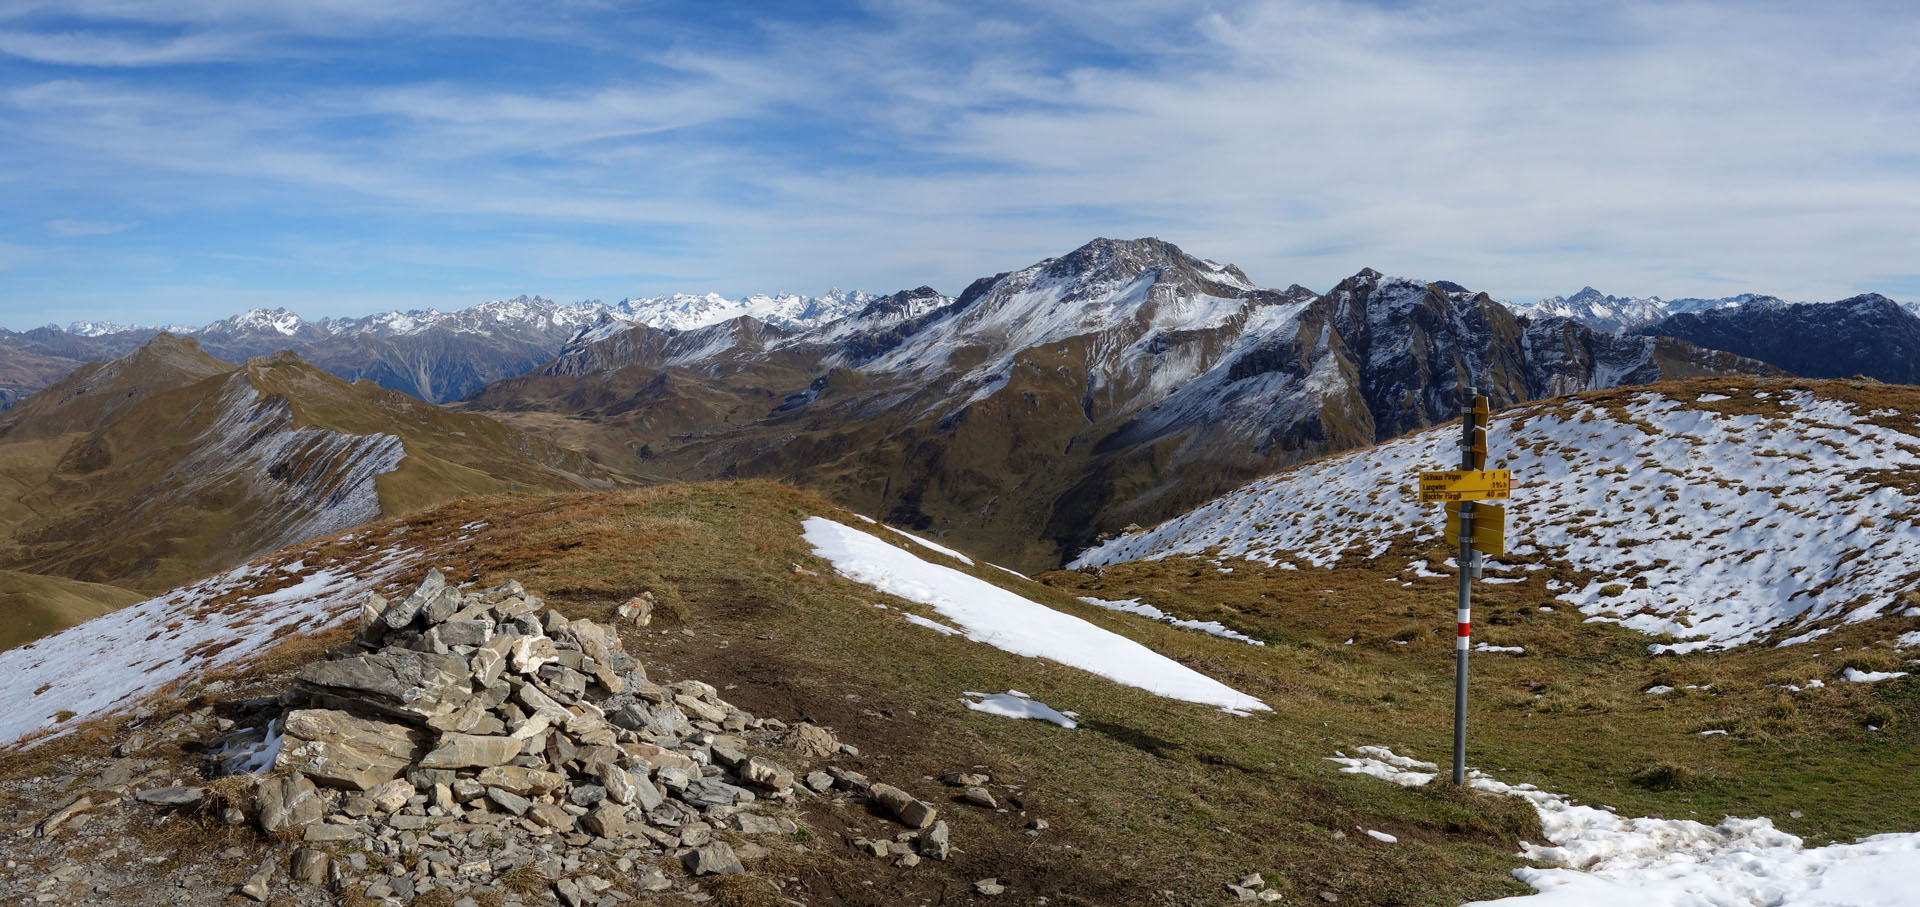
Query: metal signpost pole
x=1465 y=564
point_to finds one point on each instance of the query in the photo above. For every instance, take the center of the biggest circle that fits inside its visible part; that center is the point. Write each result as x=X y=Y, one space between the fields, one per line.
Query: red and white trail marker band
x=1466 y=626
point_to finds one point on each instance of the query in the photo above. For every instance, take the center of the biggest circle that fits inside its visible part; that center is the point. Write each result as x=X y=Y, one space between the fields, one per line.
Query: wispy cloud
x=84 y=49
x=76 y=228
x=1527 y=148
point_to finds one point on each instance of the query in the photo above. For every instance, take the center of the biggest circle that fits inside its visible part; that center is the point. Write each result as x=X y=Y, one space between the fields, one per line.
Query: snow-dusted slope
x=1714 y=517
x=113 y=661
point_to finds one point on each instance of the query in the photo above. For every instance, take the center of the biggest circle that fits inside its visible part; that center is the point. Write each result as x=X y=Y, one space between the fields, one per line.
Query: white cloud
x=77 y=228
x=82 y=49
x=1525 y=148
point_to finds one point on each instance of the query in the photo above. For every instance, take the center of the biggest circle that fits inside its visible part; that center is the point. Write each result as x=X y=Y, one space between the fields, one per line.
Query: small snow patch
x=1382 y=836
x=1135 y=606
x=1385 y=764
x=1515 y=650
x=1855 y=675
x=1015 y=704
x=933 y=547
x=930 y=624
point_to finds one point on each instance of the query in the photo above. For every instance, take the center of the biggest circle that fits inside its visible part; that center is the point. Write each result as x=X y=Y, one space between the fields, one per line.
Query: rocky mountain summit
x=480 y=744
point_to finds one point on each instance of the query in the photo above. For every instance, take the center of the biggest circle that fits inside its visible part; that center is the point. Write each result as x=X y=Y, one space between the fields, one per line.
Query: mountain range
x=1118 y=383
x=434 y=355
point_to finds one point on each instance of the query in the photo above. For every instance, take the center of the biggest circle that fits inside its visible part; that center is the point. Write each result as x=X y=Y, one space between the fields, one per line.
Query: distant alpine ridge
x=434 y=355
x=1620 y=314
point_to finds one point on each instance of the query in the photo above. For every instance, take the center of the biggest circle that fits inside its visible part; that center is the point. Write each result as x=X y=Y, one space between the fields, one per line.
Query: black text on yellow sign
x=1465 y=485
x=1489 y=528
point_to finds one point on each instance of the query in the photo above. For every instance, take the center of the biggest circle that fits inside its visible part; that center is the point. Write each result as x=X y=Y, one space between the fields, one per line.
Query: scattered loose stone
x=980 y=796
x=716 y=858
x=989 y=887
x=911 y=812
x=172 y=796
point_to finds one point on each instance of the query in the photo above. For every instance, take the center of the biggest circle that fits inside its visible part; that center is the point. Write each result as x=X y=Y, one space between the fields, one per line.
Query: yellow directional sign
x=1479 y=442
x=1489 y=528
x=1465 y=485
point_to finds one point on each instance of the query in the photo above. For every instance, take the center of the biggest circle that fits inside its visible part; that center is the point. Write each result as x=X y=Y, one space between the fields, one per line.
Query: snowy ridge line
x=1733 y=524
x=988 y=614
x=1604 y=860
x=327 y=480
x=113 y=661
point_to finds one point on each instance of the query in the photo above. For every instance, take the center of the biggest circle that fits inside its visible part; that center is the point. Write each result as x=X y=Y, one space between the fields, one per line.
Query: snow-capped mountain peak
x=686 y=311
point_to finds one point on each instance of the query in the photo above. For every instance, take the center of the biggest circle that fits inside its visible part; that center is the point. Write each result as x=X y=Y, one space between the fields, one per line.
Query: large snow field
x=116 y=659
x=1604 y=860
x=1734 y=524
x=989 y=614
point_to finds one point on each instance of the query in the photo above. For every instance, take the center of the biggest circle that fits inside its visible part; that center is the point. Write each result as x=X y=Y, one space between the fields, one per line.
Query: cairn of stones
x=463 y=736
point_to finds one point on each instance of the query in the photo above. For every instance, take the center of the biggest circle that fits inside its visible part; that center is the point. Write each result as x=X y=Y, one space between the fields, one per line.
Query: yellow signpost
x=1489 y=528
x=1477 y=529
x=1465 y=485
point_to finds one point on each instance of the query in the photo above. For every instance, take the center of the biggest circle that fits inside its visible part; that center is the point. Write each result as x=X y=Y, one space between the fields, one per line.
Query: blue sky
x=180 y=161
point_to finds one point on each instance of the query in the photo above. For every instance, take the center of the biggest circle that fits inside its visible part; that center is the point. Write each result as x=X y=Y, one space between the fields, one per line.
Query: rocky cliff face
x=1865 y=335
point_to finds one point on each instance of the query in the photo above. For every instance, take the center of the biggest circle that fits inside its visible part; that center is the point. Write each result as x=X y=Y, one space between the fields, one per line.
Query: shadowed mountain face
x=1120 y=383
x=169 y=463
x=1865 y=335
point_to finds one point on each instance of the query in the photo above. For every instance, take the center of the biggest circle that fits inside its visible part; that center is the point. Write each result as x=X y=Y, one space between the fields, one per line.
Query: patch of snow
x=1382 y=836
x=1483 y=647
x=1907 y=640
x=1015 y=704
x=930 y=624
x=1385 y=764
x=989 y=614
x=1658 y=689
x=933 y=547
x=1711 y=398
x=1600 y=859
x=1808 y=636
x=1712 y=733
x=256 y=757
x=1855 y=675
x=1420 y=569
x=1209 y=627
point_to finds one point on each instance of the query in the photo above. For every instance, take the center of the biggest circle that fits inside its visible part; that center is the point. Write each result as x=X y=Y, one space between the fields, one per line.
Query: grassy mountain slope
x=37 y=605
x=1150 y=800
x=168 y=464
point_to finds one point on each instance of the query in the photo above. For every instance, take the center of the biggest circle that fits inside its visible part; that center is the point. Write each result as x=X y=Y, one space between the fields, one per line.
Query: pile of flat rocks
x=467 y=741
